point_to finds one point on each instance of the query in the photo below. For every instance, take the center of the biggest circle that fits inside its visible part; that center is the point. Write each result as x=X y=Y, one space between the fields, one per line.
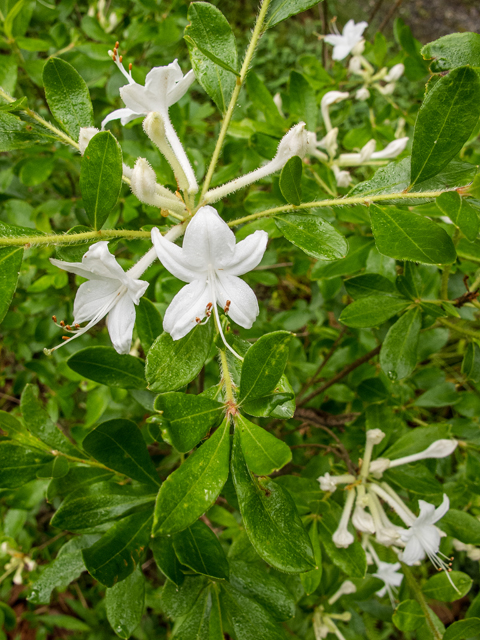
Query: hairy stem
x=227 y=378
x=73 y=238
x=462 y=330
x=257 y=32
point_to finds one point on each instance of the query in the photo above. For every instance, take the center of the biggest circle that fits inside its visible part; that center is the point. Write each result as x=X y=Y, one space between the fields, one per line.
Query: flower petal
x=136 y=289
x=243 y=301
x=139 y=100
x=125 y=115
x=442 y=509
x=427 y=514
x=172 y=258
x=99 y=261
x=248 y=253
x=120 y=322
x=208 y=240
x=74 y=267
x=180 y=88
x=161 y=80
x=413 y=552
x=188 y=305
x=94 y=299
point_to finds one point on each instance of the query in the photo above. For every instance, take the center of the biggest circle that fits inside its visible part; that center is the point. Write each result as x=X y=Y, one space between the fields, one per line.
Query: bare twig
x=390 y=15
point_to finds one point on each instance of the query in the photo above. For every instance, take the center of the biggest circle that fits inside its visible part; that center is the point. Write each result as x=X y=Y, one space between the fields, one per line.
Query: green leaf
x=282 y=9
x=119 y=445
x=311 y=580
x=178 y=601
x=173 y=364
x=203 y=620
x=166 y=559
x=191 y=489
x=463 y=629
x=408 y=616
x=264 y=407
x=148 y=322
x=199 y=549
x=452 y=51
x=290 y=181
x=10 y=263
x=441 y=395
x=404 y=235
x=461 y=525
x=471 y=362
x=358 y=250
x=19 y=465
x=270 y=518
x=460 y=213
x=372 y=311
x=125 y=602
x=398 y=356
x=302 y=100
x=11 y=15
x=352 y=560
x=106 y=366
x=99 y=503
x=313 y=235
x=57 y=468
x=101 y=177
x=416 y=440
x=38 y=422
x=67 y=96
x=189 y=417
x=9 y=617
x=264 y=364
x=115 y=556
x=76 y=478
x=210 y=32
x=444 y=123
x=263 y=452
x=415 y=478
x=440 y=588
x=369 y=284
x=262 y=99
x=248 y=618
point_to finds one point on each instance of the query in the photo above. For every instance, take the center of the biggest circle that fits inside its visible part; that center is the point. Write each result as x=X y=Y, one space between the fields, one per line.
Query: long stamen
x=118 y=61
x=211 y=277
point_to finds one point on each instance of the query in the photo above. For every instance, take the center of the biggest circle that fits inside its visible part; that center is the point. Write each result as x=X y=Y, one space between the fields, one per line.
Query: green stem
x=335 y=202
x=420 y=598
x=447 y=269
x=466 y=332
x=257 y=32
x=91 y=463
x=74 y=238
x=227 y=379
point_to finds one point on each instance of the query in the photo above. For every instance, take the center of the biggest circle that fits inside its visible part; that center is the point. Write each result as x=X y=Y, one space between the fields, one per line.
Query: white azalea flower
x=389 y=574
x=392 y=150
x=395 y=72
x=210 y=262
x=342 y=538
x=345 y=43
x=423 y=537
x=343 y=178
x=345 y=589
x=362 y=94
x=85 y=135
x=329 y=98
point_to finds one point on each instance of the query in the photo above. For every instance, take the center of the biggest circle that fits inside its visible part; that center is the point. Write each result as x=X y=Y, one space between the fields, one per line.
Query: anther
x=197 y=320
x=68 y=327
x=130 y=66
x=62 y=323
x=77 y=326
x=209 y=306
x=114 y=56
x=227 y=306
x=116 y=44
x=65 y=337
x=121 y=58
x=54 y=318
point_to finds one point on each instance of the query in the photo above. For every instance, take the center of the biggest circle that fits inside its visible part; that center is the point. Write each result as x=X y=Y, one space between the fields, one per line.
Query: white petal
x=341 y=51
x=161 y=80
x=99 y=261
x=413 y=552
x=188 y=305
x=208 y=240
x=180 y=88
x=172 y=258
x=429 y=537
x=427 y=514
x=243 y=301
x=74 y=267
x=125 y=115
x=333 y=39
x=139 y=100
x=120 y=322
x=136 y=289
x=248 y=253
x=442 y=509
x=94 y=299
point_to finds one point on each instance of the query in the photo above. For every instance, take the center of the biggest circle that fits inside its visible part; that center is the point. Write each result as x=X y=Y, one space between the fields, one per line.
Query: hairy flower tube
x=143 y=183
x=331 y=97
x=344 y=43
x=210 y=262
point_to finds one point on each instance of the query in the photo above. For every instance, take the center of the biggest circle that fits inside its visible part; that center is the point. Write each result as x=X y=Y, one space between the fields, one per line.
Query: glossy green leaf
x=39 y=423
x=312 y=234
x=148 y=322
x=398 y=356
x=302 y=100
x=358 y=250
x=77 y=478
x=404 y=235
x=178 y=601
x=416 y=440
x=199 y=549
x=188 y=417
x=471 y=362
x=290 y=181
x=266 y=406
x=439 y=587
x=282 y=9
x=408 y=616
x=372 y=311
x=369 y=284
x=119 y=445
x=263 y=452
x=444 y=123
x=10 y=263
x=270 y=518
x=101 y=177
x=106 y=366
x=442 y=395
x=19 y=465
x=67 y=96
x=9 y=617
x=452 y=51
x=415 y=478
x=99 y=503
x=463 y=629
x=57 y=468
x=203 y=621
x=264 y=364
x=125 y=602
x=115 y=556
x=262 y=98
x=460 y=213
x=461 y=525
x=211 y=34
x=191 y=489
x=173 y=364
x=311 y=580
x=166 y=559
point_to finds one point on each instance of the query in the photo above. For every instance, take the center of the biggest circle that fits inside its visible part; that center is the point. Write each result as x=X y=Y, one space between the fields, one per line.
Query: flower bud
x=327 y=483
x=346 y=588
x=392 y=150
x=362 y=520
x=362 y=94
x=395 y=72
x=86 y=134
x=333 y=97
x=378 y=466
x=293 y=143
x=343 y=178
x=342 y=538
x=355 y=65
x=144 y=181
x=387 y=90
x=438 y=449
x=127 y=171
x=329 y=142
x=277 y=99
x=359 y=48
x=375 y=436
x=387 y=536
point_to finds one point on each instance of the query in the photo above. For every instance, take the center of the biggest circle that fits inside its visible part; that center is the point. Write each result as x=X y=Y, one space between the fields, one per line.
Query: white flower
x=85 y=135
x=392 y=150
x=362 y=94
x=345 y=43
x=388 y=573
x=355 y=66
x=329 y=483
x=329 y=142
x=345 y=589
x=342 y=537
x=378 y=466
x=277 y=99
x=343 y=178
x=329 y=98
x=362 y=520
x=164 y=86
x=355 y=159
x=387 y=90
x=423 y=537
x=438 y=449
x=109 y=290
x=210 y=262
x=395 y=72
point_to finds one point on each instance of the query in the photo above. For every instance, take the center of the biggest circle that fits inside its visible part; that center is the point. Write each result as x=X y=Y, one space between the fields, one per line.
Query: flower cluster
x=18 y=563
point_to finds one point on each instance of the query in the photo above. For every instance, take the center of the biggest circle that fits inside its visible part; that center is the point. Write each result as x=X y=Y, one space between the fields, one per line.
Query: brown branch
x=326 y=419
x=330 y=353
x=390 y=15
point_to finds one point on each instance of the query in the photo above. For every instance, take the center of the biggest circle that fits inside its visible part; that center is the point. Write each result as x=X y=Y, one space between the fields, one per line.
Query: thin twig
x=332 y=350
x=390 y=15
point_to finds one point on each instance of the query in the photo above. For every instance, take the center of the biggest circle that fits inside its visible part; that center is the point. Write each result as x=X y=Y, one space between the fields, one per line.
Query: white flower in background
x=423 y=537
x=395 y=73
x=345 y=589
x=472 y=551
x=277 y=99
x=438 y=449
x=329 y=98
x=109 y=290
x=391 y=577
x=362 y=94
x=344 y=43
x=86 y=134
x=342 y=538
x=143 y=182
x=343 y=178
x=329 y=483
x=210 y=262
x=19 y=562
x=354 y=159
x=392 y=150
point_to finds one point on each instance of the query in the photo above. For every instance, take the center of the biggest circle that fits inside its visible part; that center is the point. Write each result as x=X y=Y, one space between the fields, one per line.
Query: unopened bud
x=329 y=142
x=277 y=99
x=143 y=182
x=346 y=588
x=378 y=466
x=392 y=150
x=342 y=538
x=362 y=94
x=362 y=520
x=86 y=134
x=395 y=72
x=333 y=97
x=388 y=89
x=343 y=178
x=438 y=449
x=293 y=143
x=355 y=65
x=359 y=48
x=375 y=436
